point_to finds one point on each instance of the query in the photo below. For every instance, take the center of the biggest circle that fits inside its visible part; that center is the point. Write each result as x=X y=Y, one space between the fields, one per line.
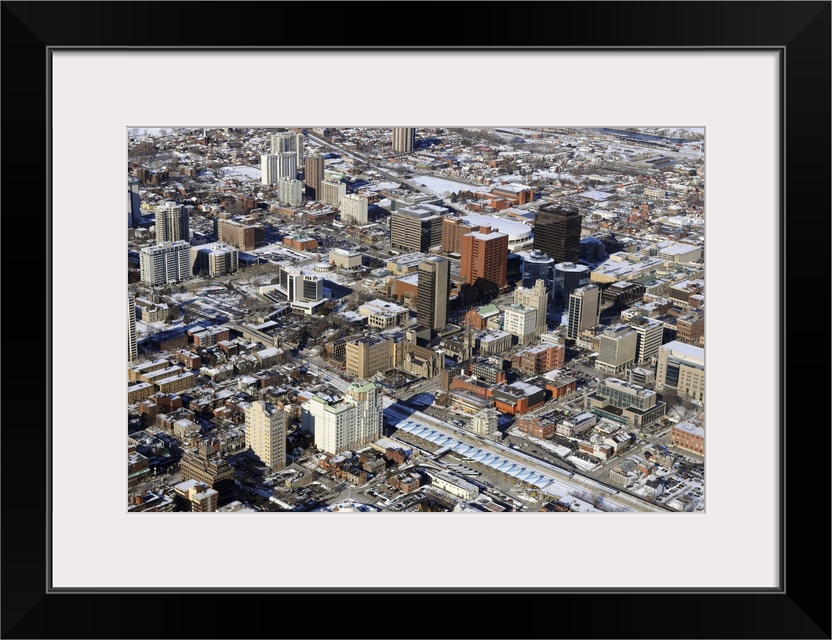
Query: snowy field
x=241 y=172
x=441 y=185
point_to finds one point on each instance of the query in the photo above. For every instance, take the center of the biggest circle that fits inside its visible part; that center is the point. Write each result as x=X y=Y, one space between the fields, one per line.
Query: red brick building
x=484 y=256
x=689 y=436
x=539 y=358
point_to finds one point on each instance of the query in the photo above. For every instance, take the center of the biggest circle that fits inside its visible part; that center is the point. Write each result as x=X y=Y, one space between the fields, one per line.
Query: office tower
x=273 y=167
x=300 y=145
x=243 y=235
x=433 y=287
x=536 y=298
x=557 y=232
x=266 y=433
x=538 y=266
x=133 y=203
x=452 y=231
x=681 y=369
x=313 y=175
x=354 y=209
x=416 y=228
x=132 y=343
x=290 y=191
x=484 y=254
x=616 y=349
x=347 y=425
x=521 y=322
x=214 y=260
x=282 y=142
x=166 y=262
x=568 y=276
x=404 y=139
x=211 y=468
x=649 y=333
x=332 y=191
x=304 y=291
x=369 y=354
x=172 y=222
x=584 y=310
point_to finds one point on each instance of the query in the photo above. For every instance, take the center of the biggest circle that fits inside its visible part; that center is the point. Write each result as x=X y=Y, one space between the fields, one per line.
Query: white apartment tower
x=367 y=397
x=332 y=191
x=354 y=209
x=166 y=262
x=283 y=142
x=535 y=298
x=132 y=343
x=584 y=310
x=347 y=425
x=172 y=222
x=273 y=167
x=266 y=433
x=649 y=333
x=290 y=191
x=521 y=322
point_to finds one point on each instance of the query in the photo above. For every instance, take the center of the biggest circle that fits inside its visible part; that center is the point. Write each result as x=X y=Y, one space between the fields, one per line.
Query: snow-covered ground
x=581 y=464
x=249 y=173
x=443 y=185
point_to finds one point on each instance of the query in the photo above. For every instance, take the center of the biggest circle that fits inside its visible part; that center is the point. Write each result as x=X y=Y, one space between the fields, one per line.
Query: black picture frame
x=799 y=608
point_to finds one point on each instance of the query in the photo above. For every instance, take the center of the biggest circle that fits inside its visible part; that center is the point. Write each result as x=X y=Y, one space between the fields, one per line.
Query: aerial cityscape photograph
x=416 y=319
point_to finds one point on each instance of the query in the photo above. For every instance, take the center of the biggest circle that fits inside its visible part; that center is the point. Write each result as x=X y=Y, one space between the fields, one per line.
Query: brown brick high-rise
x=484 y=256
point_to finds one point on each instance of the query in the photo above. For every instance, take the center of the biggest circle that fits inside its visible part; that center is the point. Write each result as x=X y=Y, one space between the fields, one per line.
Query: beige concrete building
x=290 y=191
x=192 y=495
x=176 y=383
x=215 y=259
x=584 y=310
x=616 y=349
x=332 y=191
x=493 y=342
x=521 y=322
x=345 y=258
x=172 y=222
x=681 y=369
x=370 y=354
x=383 y=315
x=266 y=433
x=139 y=391
x=354 y=209
x=536 y=298
x=485 y=422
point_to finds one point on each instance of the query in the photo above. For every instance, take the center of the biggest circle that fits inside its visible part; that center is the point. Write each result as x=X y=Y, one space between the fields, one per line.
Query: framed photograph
x=754 y=77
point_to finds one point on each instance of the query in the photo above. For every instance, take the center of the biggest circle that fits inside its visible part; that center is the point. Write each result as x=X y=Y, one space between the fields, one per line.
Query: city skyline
x=416 y=319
